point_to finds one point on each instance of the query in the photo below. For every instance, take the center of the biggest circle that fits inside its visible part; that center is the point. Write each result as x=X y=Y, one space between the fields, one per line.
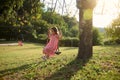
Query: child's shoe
x=44 y=58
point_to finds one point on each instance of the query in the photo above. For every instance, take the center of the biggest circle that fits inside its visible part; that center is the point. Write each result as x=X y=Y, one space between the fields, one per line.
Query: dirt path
x=9 y=44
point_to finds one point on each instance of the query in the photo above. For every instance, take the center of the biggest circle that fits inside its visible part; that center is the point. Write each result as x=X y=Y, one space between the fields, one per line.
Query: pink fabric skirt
x=51 y=47
x=48 y=51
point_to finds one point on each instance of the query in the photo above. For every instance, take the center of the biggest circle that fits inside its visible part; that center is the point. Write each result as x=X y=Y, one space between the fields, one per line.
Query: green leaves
x=8 y=8
x=113 y=30
x=96 y=37
x=20 y=12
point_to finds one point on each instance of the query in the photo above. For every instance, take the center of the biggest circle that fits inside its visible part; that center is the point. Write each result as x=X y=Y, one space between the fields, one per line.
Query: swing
x=58 y=51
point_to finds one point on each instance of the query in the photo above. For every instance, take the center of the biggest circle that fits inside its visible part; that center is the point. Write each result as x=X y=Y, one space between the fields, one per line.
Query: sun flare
x=105 y=11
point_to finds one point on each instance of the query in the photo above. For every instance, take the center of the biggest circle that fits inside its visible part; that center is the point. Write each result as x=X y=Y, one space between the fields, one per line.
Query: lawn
x=25 y=63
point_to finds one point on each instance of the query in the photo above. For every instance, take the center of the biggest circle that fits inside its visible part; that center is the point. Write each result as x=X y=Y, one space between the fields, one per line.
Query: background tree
x=72 y=29
x=17 y=15
x=113 y=30
x=8 y=9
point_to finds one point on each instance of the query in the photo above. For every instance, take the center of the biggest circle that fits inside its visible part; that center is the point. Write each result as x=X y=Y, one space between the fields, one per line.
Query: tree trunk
x=85 y=43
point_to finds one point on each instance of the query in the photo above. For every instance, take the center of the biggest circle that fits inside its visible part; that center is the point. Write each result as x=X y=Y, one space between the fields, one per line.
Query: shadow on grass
x=69 y=48
x=17 y=69
x=68 y=71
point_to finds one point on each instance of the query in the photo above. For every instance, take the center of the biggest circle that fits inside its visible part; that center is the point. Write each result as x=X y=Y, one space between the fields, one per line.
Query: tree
x=113 y=30
x=53 y=18
x=17 y=14
x=56 y=20
x=72 y=23
x=85 y=28
x=8 y=9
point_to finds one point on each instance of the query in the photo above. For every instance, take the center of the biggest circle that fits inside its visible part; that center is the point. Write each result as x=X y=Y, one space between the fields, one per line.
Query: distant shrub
x=112 y=42
x=69 y=42
x=109 y=42
x=117 y=41
x=97 y=40
x=42 y=36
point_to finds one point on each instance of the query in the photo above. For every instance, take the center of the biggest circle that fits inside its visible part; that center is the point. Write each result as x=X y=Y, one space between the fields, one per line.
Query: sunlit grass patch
x=25 y=63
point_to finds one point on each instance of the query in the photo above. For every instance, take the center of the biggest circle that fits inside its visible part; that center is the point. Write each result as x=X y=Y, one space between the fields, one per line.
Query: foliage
x=109 y=42
x=24 y=62
x=113 y=30
x=71 y=21
x=69 y=42
x=8 y=32
x=8 y=9
x=96 y=37
x=53 y=18
x=20 y=12
x=72 y=26
x=56 y=20
x=17 y=17
x=40 y=26
x=29 y=18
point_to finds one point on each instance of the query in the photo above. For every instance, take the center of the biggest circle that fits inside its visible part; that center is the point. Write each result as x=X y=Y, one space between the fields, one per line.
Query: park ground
x=25 y=63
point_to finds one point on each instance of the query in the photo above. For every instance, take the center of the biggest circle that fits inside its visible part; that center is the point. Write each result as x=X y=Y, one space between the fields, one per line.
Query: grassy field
x=25 y=63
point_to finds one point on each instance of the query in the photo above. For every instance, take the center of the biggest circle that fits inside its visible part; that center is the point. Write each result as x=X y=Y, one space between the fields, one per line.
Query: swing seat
x=57 y=52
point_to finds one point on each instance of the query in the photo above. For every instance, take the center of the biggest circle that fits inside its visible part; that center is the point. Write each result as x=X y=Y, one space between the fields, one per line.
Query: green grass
x=25 y=63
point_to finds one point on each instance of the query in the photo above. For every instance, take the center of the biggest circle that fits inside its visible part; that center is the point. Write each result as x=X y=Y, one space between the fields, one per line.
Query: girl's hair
x=55 y=30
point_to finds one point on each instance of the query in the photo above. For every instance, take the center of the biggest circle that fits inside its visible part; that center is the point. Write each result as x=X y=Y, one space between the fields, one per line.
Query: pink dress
x=52 y=45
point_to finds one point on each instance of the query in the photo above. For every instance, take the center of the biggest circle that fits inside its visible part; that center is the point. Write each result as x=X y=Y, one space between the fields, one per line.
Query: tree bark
x=85 y=43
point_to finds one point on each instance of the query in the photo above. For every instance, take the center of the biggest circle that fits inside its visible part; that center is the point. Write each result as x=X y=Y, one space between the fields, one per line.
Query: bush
x=112 y=42
x=42 y=36
x=117 y=41
x=66 y=42
x=96 y=37
x=109 y=42
x=69 y=42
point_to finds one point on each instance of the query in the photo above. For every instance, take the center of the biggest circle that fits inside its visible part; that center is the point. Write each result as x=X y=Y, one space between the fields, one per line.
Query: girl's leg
x=46 y=52
x=47 y=56
x=44 y=57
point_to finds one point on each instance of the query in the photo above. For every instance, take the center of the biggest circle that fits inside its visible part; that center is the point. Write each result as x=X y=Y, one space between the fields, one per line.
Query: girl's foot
x=44 y=58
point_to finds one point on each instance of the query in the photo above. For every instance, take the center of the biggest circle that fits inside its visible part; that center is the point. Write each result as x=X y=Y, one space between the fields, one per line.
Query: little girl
x=52 y=45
